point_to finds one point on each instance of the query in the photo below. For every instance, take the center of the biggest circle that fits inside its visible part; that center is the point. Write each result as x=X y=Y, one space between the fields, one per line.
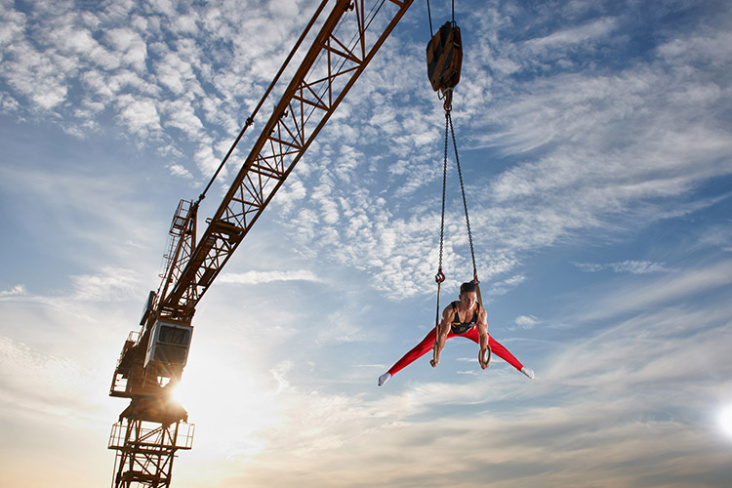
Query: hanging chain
x=440 y=276
x=465 y=202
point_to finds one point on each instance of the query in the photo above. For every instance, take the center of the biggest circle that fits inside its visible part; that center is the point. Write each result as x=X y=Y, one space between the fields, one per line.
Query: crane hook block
x=445 y=58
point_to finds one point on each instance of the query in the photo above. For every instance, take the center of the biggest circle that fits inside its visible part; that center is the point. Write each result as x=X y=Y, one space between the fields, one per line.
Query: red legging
x=429 y=341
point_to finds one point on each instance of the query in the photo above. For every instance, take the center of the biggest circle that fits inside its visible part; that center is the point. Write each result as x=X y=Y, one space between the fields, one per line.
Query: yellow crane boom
x=152 y=428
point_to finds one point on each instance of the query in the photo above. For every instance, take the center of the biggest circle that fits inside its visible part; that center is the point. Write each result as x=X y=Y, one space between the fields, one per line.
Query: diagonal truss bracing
x=346 y=43
x=145 y=451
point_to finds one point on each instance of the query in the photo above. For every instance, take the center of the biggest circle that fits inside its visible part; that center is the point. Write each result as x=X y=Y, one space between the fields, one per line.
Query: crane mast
x=153 y=427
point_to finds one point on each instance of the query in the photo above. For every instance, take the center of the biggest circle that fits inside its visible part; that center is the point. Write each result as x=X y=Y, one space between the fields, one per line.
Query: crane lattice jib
x=346 y=43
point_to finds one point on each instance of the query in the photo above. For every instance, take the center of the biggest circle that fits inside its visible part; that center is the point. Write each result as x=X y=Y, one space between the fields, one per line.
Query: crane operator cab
x=169 y=344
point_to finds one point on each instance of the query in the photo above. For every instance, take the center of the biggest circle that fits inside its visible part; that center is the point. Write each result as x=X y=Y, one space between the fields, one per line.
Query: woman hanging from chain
x=464 y=318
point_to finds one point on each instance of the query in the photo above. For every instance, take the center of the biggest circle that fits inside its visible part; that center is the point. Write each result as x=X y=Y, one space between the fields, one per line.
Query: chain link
x=465 y=202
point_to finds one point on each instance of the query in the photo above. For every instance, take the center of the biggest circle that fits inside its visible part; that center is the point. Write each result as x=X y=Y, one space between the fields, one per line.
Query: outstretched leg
x=504 y=353
x=429 y=341
x=417 y=352
x=497 y=349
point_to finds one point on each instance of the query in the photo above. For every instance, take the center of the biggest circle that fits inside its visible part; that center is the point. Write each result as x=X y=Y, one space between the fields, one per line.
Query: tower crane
x=153 y=427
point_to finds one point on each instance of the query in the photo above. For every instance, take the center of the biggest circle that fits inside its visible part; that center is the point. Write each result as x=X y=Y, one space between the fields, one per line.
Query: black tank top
x=460 y=328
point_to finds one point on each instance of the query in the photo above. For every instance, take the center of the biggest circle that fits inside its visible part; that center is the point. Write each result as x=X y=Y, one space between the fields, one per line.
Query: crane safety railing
x=174 y=436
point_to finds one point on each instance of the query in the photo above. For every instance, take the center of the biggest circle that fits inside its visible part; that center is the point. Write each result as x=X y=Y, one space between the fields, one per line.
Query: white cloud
x=166 y=7
x=186 y=24
x=260 y=277
x=42 y=384
x=673 y=286
x=78 y=213
x=718 y=236
x=16 y=291
x=711 y=46
x=180 y=170
x=180 y=114
x=130 y=45
x=596 y=145
x=633 y=267
x=575 y=35
x=280 y=373
x=12 y=24
x=110 y=285
x=625 y=406
x=140 y=115
x=176 y=74
x=8 y=104
x=116 y=62
x=527 y=321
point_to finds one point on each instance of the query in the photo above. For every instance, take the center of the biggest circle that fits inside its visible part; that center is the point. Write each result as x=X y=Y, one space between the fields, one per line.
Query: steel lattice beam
x=146 y=451
x=346 y=43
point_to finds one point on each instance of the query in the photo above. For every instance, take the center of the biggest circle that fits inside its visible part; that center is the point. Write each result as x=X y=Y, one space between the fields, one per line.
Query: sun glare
x=725 y=420
x=231 y=405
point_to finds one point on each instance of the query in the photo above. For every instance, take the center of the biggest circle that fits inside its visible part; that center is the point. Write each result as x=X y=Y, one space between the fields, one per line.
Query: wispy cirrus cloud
x=669 y=287
x=43 y=385
x=261 y=277
x=16 y=291
x=111 y=284
x=527 y=321
x=79 y=207
x=633 y=267
x=171 y=75
x=580 y=35
x=620 y=406
x=605 y=140
x=580 y=150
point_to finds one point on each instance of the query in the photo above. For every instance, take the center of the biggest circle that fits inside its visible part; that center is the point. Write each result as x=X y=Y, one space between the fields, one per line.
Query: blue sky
x=595 y=144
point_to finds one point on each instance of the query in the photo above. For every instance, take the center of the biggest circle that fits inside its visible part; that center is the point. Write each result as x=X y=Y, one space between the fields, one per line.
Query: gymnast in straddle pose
x=464 y=318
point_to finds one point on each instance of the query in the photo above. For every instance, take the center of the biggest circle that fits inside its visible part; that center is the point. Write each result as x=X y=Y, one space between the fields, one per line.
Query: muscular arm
x=483 y=334
x=443 y=330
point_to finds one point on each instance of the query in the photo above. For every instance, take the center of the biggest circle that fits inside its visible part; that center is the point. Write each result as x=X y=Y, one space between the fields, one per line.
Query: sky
x=594 y=140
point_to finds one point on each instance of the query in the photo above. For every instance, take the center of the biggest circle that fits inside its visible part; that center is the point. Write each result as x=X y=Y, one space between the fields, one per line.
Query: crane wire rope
x=429 y=16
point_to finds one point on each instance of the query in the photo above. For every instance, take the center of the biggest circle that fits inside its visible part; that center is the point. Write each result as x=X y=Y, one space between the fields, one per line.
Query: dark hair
x=468 y=287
